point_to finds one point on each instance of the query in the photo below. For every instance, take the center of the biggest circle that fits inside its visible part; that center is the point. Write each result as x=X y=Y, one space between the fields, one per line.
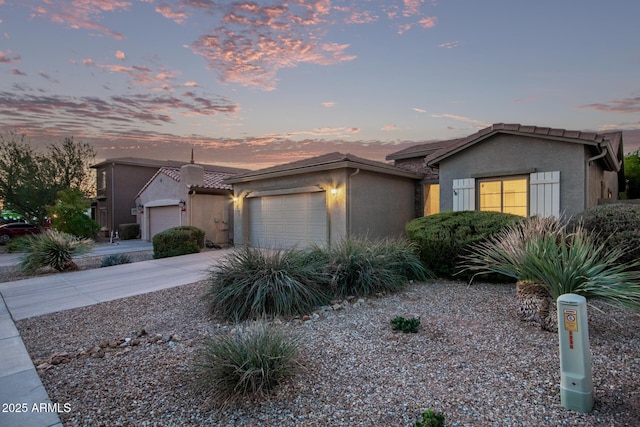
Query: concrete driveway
x=19 y=381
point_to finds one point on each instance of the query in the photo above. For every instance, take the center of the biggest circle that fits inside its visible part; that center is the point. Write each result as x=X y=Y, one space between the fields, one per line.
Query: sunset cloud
x=419 y=110
x=82 y=14
x=6 y=58
x=479 y=123
x=450 y=45
x=17 y=72
x=625 y=105
x=120 y=55
x=328 y=104
x=387 y=128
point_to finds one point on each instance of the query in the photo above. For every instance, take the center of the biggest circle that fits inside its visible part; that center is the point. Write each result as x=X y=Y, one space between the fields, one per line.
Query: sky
x=257 y=83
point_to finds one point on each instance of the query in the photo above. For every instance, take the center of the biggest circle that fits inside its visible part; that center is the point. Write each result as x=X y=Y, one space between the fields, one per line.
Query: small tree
x=632 y=175
x=68 y=214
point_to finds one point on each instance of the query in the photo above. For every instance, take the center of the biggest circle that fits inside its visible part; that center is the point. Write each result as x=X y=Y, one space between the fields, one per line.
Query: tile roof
x=613 y=139
x=421 y=150
x=212 y=180
x=137 y=161
x=325 y=161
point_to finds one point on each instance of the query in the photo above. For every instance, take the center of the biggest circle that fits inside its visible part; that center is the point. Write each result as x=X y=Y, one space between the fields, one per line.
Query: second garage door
x=288 y=220
x=162 y=218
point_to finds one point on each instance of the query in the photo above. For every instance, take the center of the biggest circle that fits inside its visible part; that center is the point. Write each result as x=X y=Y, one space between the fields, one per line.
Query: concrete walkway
x=24 y=400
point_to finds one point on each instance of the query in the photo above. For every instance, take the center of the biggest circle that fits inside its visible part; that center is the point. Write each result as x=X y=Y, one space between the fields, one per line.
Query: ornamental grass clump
x=51 y=248
x=543 y=251
x=115 y=259
x=361 y=267
x=250 y=361
x=251 y=283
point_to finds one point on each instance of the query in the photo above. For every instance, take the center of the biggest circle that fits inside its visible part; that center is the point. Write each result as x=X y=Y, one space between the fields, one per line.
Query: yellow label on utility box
x=571 y=319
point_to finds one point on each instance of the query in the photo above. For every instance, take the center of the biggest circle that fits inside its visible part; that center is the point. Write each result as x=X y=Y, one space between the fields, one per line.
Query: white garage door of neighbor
x=162 y=218
x=288 y=220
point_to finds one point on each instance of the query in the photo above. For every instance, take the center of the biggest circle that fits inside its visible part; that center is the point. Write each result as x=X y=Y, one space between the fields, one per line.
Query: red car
x=17 y=229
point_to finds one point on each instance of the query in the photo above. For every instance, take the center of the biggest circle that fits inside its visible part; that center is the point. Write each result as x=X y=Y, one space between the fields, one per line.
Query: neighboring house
x=525 y=170
x=118 y=182
x=321 y=200
x=189 y=195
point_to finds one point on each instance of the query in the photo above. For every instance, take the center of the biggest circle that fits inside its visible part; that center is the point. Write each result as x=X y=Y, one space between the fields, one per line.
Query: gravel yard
x=471 y=359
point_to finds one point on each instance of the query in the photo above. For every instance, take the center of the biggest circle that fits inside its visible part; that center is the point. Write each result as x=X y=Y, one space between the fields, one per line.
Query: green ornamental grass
x=248 y=362
x=252 y=283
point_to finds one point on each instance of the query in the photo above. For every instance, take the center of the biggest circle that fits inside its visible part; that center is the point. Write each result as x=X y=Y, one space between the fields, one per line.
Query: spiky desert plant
x=249 y=361
x=51 y=248
x=360 y=267
x=252 y=282
x=543 y=251
x=115 y=259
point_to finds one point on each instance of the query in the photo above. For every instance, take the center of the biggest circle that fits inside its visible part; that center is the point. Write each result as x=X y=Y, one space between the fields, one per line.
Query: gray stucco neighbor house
x=322 y=200
x=526 y=170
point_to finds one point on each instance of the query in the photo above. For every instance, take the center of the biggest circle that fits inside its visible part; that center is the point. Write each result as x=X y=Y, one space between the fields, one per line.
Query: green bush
x=51 y=248
x=251 y=283
x=176 y=241
x=399 y=323
x=68 y=214
x=443 y=237
x=430 y=418
x=115 y=259
x=128 y=231
x=247 y=362
x=617 y=225
x=362 y=267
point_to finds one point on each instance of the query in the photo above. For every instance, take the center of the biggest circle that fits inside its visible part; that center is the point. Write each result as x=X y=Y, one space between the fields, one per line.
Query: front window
x=431 y=199
x=504 y=195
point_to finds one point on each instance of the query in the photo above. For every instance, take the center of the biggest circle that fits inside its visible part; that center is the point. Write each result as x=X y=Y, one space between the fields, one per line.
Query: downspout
x=586 y=174
x=348 y=202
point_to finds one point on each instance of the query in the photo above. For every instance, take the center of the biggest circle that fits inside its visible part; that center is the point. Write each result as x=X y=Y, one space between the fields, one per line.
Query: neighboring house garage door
x=162 y=218
x=288 y=220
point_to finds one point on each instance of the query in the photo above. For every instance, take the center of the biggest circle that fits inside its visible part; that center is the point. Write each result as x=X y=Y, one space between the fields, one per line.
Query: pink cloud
x=6 y=59
x=387 y=128
x=17 y=72
x=624 y=105
x=82 y=14
x=179 y=17
x=120 y=55
x=328 y=104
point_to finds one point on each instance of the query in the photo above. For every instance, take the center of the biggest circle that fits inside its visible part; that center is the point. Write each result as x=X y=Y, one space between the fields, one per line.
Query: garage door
x=288 y=220
x=162 y=218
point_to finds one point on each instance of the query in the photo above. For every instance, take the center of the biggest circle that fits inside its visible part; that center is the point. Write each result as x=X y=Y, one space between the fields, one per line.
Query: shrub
x=176 y=241
x=115 y=259
x=430 y=418
x=68 y=214
x=251 y=283
x=617 y=225
x=399 y=323
x=129 y=231
x=248 y=362
x=53 y=249
x=443 y=237
x=362 y=267
x=544 y=251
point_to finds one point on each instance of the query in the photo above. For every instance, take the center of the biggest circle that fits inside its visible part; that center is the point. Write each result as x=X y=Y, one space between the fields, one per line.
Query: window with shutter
x=544 y=196
x=464 y=194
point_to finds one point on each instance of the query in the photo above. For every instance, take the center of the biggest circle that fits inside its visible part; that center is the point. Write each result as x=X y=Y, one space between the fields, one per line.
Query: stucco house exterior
x=322 y=200
x=188 y=195
x=526 y=170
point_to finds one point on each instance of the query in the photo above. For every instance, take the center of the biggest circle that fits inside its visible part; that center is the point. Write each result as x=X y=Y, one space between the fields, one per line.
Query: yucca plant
x=51 y=248
x=252 y=283
x=360 y=267
x=549 y=261
x=250 y=361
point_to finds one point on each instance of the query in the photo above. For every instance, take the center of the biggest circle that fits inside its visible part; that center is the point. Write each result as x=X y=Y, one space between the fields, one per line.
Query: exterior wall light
x=334 y=191
x=182 y=205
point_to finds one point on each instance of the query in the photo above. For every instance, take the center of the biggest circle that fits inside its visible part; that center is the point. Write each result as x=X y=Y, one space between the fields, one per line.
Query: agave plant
x=53 y=249
x=549 y=261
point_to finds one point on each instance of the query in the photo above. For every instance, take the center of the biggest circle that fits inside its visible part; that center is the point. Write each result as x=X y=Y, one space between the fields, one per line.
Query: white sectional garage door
x=288 y=220
x=162 y=218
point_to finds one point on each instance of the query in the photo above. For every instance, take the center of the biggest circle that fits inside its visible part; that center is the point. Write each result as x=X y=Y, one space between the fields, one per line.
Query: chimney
x=192 y=175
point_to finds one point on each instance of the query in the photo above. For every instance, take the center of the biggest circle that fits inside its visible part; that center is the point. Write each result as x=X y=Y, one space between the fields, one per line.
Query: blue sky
x=259 y=83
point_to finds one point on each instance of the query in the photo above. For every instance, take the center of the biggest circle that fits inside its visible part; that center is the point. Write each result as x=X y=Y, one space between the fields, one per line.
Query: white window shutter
x=464 y=194
x=545 y=194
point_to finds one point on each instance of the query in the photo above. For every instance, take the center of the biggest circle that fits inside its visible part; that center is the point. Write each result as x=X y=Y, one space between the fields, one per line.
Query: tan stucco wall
x=380 y=205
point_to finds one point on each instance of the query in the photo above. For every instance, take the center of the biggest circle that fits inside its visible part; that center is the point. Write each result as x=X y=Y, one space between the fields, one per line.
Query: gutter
x=348 y=202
